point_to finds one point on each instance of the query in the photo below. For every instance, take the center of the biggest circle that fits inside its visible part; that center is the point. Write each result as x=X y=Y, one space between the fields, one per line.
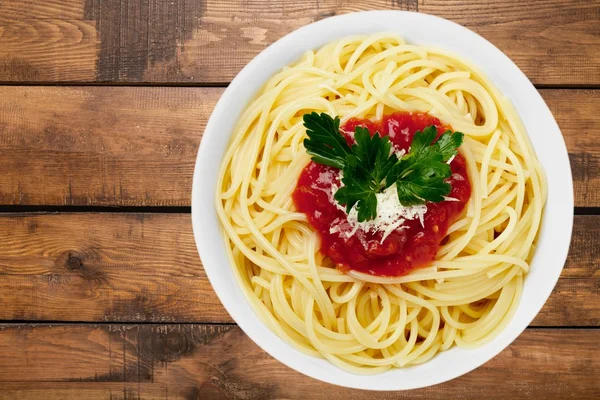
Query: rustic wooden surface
x=219 y=362
x=555 y=42
x=102 y=107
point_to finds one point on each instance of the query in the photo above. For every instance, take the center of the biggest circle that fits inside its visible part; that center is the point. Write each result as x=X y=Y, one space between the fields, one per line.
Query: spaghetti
x=363 y=323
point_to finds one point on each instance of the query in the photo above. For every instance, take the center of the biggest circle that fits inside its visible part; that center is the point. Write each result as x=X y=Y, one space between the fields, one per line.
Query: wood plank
x=46 y=41
x=103 y=267
x=100 y=145
x=145 y=268
x=220 y=362
x=555 y=42
x=580 y=126
x=136 y=146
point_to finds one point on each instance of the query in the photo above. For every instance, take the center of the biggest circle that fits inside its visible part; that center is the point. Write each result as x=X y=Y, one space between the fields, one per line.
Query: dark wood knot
x=74 y=263
x=170 y=346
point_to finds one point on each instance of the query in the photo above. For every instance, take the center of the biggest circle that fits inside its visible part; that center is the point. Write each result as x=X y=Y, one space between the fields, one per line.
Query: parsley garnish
x=369 y=166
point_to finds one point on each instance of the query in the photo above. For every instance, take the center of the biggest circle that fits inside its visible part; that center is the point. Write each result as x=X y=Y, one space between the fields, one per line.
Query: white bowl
x=555 y=235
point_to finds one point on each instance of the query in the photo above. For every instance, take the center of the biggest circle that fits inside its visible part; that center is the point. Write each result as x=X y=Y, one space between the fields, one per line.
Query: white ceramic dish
x=547 y=139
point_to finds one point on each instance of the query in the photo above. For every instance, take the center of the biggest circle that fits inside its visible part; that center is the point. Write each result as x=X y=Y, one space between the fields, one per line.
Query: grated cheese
x=391 y=215
x=398 y=152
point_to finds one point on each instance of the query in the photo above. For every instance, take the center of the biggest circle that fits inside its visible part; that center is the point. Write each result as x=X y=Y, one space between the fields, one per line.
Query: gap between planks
x=17 y=209
x=17 y=323
x=201 y=85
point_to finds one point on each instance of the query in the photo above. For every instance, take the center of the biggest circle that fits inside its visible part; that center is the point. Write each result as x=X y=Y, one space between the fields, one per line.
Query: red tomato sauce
x=403 y=250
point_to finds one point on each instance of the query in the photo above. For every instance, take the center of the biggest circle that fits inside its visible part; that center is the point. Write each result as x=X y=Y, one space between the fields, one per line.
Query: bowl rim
x=507 y=77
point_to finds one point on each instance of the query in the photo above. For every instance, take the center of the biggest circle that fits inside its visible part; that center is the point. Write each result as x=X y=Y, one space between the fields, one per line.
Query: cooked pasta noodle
x=363 y=323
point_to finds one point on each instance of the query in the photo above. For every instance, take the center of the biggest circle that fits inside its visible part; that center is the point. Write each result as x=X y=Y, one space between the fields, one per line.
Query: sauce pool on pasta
x=414 y=243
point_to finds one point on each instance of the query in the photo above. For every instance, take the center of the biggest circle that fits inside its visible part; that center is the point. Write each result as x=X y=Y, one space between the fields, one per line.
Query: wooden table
x=102 y=108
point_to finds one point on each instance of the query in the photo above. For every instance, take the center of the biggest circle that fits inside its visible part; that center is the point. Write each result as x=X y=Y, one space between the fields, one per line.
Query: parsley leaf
x=422 y=173
x=325 y=143
x=357 y=192
x=448 y=144
x=369 y=166
x=366 y=168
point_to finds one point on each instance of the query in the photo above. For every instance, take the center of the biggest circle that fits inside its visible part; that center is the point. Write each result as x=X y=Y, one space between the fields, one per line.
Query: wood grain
x=103 y=267
x=580 y=126
x=100 y=145
x=220 y=362
x=136 y=146
x=555 y=42
x=145 y=268
x=46 y=41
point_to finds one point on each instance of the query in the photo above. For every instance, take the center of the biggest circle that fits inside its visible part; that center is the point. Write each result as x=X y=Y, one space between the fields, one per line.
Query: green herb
x=369 y=166
x=326 y=145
